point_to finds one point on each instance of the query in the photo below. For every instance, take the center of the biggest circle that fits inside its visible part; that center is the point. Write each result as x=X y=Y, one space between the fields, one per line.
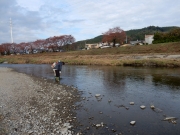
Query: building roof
x=146 y=36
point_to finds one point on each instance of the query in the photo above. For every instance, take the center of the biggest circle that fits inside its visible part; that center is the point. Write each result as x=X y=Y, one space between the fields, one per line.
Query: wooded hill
x=132 y=35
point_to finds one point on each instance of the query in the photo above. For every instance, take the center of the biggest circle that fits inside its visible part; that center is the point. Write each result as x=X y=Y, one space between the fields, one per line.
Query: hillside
x=138 y=34
x=82 y=43
x=135 y=34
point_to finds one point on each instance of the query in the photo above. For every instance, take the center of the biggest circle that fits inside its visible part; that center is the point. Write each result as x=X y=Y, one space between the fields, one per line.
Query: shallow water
x=118 y=86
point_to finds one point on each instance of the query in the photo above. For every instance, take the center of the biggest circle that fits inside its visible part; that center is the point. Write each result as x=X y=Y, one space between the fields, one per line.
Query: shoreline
x=154 y=55
x=31 y=105
x=143 y=60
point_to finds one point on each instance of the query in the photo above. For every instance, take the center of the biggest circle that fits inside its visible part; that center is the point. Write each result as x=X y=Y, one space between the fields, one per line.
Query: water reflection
x=172 y=81
x=120 y=85
x=76 y=75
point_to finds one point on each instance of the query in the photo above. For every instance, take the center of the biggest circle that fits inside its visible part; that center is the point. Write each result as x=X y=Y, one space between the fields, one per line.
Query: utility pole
x=11 y=31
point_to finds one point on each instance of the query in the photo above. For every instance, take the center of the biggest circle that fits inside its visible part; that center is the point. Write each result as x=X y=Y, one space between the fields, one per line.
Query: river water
x=118 y=86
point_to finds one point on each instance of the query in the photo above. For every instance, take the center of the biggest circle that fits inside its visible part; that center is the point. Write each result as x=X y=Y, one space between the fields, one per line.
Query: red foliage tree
x=58 y=41
x=38 y=44
x=6 y=48
x=54 y=43
x=2 y=49
x=114 y=35
x=21 y=47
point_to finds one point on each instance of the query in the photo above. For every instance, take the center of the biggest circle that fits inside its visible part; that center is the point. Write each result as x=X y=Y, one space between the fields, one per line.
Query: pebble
x=98 y=125
x=132 y=122
x=56 y=124
x=142 y=107
x=152 y=107
x=97 y=95
x=113 y=130
x=87 y=128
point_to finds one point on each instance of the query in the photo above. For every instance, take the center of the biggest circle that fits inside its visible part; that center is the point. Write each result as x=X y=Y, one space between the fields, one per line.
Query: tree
x=171 y=36
x=57 y=42
x=115 y=35
x=2 y=49
x=21 y=47
x=6 y=48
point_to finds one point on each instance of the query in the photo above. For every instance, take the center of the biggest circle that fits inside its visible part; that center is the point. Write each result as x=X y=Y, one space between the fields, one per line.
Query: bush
x=172 y=36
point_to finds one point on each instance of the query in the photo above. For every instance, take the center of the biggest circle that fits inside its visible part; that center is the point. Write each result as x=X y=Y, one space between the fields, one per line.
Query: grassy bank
x=119 y=56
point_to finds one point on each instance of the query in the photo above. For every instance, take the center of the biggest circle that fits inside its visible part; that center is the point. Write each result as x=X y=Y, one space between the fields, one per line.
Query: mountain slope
x=138 y=34
x=135 y=34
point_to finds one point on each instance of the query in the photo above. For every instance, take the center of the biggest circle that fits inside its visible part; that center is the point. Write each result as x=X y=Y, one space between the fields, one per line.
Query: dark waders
x=57 y=77
x=58 y=68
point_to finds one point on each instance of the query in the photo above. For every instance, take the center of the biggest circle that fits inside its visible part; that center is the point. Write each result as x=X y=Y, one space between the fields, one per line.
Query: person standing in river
x=57 y=69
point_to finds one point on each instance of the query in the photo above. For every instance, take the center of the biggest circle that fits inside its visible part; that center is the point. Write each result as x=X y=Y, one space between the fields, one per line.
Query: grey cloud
x=24 y=22
x=84 y=19
x=73 y=21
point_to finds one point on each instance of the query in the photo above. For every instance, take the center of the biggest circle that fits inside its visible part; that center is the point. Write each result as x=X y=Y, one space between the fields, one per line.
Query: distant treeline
x=51 y=44
x=172 y=36
x=132 y=35
x=139 y=34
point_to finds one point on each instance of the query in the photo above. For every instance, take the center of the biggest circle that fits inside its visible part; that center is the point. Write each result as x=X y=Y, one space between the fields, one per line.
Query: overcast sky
x=83 y=19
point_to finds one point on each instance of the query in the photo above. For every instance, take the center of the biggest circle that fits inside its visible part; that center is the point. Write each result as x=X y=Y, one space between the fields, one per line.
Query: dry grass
x=121 y=56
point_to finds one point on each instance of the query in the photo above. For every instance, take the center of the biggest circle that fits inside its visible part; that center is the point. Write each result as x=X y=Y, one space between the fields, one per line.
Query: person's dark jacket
x=59 y=66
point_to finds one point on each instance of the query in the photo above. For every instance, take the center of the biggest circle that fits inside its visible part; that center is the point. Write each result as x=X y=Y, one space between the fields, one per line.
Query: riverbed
x=107 y=92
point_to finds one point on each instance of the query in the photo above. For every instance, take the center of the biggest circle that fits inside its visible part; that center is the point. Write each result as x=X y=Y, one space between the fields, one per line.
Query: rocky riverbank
x=35 y=106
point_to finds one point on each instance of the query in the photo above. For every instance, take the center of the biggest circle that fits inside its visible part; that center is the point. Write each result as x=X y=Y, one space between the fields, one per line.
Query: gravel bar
x=34 y=106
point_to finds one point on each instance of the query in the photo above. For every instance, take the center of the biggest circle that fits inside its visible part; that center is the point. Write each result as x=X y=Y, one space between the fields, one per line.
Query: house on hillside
x=93 y=46
x=149 y=39
x=138 y=42
x=100 y=45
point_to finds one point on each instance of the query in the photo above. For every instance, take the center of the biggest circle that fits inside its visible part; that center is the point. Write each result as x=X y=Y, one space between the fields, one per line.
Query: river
x=118 y=86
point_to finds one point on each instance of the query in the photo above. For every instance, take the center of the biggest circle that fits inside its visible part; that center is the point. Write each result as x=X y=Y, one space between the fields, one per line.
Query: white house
x=149 y=39
x=100 y=45
x=92 y=46
x=138 y=42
